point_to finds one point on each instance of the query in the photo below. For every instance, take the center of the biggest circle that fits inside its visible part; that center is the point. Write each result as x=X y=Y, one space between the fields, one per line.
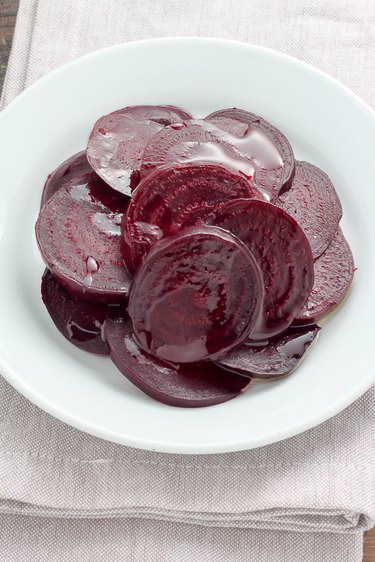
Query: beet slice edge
x=192 y=386
x=196 y=295
x=277 y=137
x=75 y=166
x=334 y=273
x=170 y=199
x=79 y=236
x=275 y=358
x=117 y=141
x=283 y=254
x=313 y=202
x=225 y=142
x=80 y=322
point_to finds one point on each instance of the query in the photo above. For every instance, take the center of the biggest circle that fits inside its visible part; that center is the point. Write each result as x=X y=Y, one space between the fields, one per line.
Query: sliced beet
x=117 y=141
x=75 y=166
x=191 y=386
x=79 y=236
x=231 y=144
x=162 y=114
x=170 y=199
x=313 y=202
x=274 y=134
x=80 y=322
x=275 y=358
x=137 y=239
x=196 y=295
x=334 y=272
x=254 y=144
x=283 y=253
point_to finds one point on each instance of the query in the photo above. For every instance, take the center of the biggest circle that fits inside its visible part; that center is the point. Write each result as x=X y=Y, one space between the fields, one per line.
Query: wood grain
x=8 y=12
x=369 y=545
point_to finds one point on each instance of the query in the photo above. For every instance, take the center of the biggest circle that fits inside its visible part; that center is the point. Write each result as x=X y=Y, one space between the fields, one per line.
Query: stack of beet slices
x=197 y=253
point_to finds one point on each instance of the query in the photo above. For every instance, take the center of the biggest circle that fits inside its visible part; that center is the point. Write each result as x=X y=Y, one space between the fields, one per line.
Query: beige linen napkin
x=67 y=496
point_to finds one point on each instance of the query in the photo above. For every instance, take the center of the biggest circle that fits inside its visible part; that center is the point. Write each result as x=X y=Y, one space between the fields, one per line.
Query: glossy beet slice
x=334 y=272
x=75 y=166
x=274 y=134
x=255 y=145
x=230 y=144
x=79 y=236
x=196 y=295
x=191 y=386
x=275 y=358
x=170 y=199
x=313 y=202
x=80 y=322
x=283 y=253
x=137 y=239
x=117 y=141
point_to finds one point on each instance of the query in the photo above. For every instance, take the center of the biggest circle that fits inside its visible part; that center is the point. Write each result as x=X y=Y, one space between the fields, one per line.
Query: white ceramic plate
x=325 y=123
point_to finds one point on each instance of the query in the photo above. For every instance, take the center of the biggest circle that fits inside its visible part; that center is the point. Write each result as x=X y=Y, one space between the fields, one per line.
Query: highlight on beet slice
x=254 y=144
x=137 y=239
x=231 y=144
x=171 y=199
x=79 y=236
x=117 y=141
x=80 y=322
x=334 y=272
x=75 y=166
x=196 y=295
x=272 y=359
x=283 y=254
x=191 y=386
x=275 y=135
x=313 y=202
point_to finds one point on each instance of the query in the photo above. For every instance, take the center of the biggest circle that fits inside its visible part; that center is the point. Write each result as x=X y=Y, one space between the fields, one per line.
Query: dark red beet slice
x=162 y=114
x=196 y=295
x=117 y=141
x=283 y=253
x=191 y=386
x=313 y=202
x=334 y=272
x=274 y=134
x=79 y=236
x=273 y=359
x=230 y=144
x=170 y=199
x=75 y=166
x=255 y=145
x=80 y=322
x=137 y=239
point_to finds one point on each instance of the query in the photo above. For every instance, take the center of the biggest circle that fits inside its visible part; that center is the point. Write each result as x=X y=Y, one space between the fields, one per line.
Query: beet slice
x=80 y=322
x=117 y=141
x=79 y=236
x=231 y=144
x=334 y=272
x=274 y=134
x=313 y=202
x=75 y=166
x=275 y=358
x=170 y=199
x=137 y=239
x=257 y=146
x=283 y=253
x=196 y=295
x=191 y=386
x=162 y=114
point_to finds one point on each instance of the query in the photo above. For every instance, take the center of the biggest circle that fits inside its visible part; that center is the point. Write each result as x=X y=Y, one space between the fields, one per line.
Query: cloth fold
x=68 y=496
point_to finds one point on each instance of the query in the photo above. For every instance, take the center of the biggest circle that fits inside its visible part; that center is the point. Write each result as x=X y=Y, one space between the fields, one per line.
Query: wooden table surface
x=8 y=11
